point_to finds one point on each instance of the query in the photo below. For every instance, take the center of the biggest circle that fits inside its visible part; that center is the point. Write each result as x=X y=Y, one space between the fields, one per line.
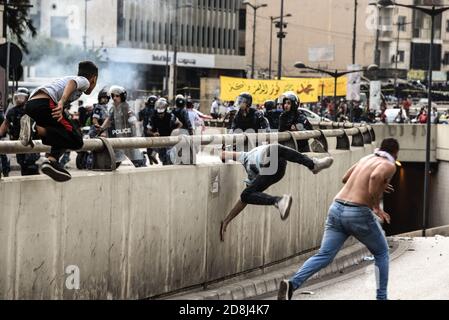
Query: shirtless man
x=352 y=214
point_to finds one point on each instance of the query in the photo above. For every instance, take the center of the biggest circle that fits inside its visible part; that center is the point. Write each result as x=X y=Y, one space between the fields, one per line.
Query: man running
x=265 y=166
x=353 y=214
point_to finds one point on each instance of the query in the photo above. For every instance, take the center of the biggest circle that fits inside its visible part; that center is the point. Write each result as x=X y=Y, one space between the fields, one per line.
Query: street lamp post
x=175 y=46
x=272 y=19
x=281 y=36
x=253 y=56
x=432 y=11
x=399 y=24
x=334 y=74
x=85 y=25
x=354 y=32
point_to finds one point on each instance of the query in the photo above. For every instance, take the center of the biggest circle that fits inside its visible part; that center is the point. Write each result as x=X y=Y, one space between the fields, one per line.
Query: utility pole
x=85 y=26
x=376 y=50
x=281 y=35
x=8 y=53
x=175 y=52
x=253 y=55
x=354 y=36
x=272 y=19
x=396 y=58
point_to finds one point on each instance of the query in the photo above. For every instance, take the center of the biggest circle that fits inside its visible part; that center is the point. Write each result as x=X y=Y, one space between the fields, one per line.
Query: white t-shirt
x=56 y=88
x=195 y=120
x=215 y=108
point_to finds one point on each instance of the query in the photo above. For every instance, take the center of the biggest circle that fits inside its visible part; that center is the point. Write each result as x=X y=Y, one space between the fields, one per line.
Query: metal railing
x=104 y=148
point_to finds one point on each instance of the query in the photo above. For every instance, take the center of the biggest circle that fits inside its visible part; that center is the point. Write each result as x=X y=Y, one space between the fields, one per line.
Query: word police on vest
x=121 y=131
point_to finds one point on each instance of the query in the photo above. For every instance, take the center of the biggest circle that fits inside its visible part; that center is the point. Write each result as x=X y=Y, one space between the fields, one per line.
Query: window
x=446 y=58
x=401 y=56
x=242 y=19
x=447 y=25
x=59 y=27
x=402 y=22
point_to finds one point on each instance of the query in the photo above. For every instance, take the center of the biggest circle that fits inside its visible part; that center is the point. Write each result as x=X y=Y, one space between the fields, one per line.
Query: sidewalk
x=269 y=282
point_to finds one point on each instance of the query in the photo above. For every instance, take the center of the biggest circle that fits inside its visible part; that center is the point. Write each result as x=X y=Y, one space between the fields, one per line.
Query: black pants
x=61 y=135
x=253 y=194
x=28 y=164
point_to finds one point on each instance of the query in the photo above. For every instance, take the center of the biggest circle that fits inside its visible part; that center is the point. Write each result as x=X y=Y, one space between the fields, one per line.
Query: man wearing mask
x=145 y=116
x=11 y=125
x=181 y=113
x=122 y=123
x=248 y=117
x=162 y=125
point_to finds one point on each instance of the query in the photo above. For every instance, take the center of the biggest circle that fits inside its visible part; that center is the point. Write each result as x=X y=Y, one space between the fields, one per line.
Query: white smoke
x=122 y=74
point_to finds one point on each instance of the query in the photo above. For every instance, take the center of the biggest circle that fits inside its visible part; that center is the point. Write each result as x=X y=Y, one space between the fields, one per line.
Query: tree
x=16 y=16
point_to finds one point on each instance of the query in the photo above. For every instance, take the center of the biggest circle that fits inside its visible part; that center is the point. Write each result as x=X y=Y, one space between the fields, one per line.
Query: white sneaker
x=284 y=206
x=321 y=164
x=26 y=132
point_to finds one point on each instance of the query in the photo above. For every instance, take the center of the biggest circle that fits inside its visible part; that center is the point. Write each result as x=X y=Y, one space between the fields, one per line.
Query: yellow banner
x=342 y=84
x=308 y=89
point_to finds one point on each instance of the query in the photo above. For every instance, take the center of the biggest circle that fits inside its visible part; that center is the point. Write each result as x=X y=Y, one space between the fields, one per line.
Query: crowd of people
x=44 y=114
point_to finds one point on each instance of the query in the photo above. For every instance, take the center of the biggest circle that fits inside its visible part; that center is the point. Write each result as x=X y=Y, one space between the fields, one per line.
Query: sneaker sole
x=287 y=211
x=324 y=168
x=54 y=174
x=283 y=291
x=25 y=131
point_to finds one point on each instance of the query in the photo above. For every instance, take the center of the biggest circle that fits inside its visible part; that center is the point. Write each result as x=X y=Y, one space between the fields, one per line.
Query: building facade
x=140 y=34
x=320 y=34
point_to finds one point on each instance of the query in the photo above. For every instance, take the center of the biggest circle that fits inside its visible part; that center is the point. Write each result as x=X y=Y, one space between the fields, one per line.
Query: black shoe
x=153 y=159
x=285 y=290
x=55 y=171
x=26 y=131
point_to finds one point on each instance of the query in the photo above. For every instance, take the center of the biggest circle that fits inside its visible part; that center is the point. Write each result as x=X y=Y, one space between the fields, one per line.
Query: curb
x=269 y=282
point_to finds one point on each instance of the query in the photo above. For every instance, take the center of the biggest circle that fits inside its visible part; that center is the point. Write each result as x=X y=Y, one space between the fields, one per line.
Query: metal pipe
x=15 y=147
x=426 y=199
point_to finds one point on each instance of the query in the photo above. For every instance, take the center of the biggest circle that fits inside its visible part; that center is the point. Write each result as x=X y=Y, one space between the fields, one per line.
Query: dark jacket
x=253 y=120
x=300 y=122
x=145 y=116
x=165 y=125
x=183 y=116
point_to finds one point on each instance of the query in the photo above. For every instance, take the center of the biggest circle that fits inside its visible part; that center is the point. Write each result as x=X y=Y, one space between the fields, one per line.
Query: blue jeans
x=344 y=221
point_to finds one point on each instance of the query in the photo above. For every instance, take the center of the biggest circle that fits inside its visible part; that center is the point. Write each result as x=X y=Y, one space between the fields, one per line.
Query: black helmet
x=269 y=105
x=180 y=101
x=151 y=101
x=103 y=94
x=244 y=97
x=293 y=98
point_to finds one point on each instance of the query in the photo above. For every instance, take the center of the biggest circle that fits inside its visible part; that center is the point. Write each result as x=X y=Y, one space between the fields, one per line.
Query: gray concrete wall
x=443 y=142
x=412 y=139
x=439 y=200
x=139 y=233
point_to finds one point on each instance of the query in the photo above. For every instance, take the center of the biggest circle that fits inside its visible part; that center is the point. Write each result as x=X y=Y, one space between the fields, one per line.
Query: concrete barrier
x=443 y=142
x=141 y=233
x=412 y=139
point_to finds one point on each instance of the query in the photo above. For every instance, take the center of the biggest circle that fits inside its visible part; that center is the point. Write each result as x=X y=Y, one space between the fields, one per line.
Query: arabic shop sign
x=163 y=58
x=308 y=89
